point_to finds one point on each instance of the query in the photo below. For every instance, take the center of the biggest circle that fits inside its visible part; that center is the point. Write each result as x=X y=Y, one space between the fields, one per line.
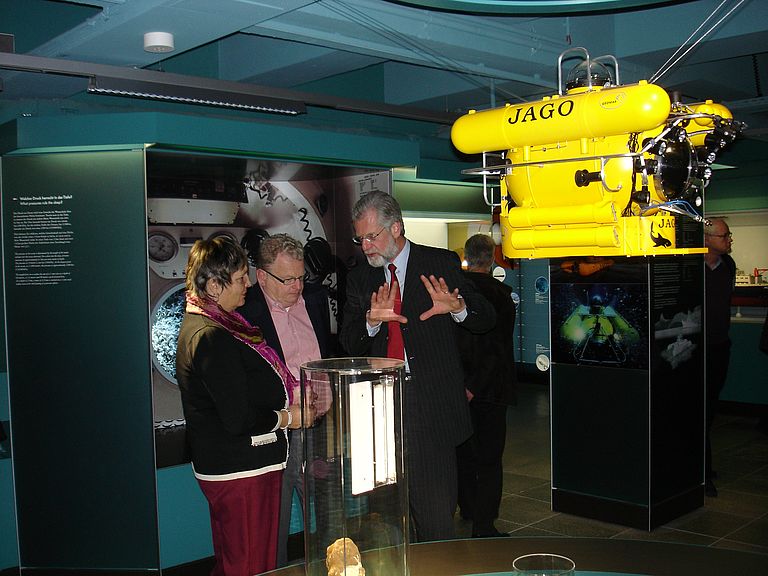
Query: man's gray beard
x=387 y=255
x=376 y=260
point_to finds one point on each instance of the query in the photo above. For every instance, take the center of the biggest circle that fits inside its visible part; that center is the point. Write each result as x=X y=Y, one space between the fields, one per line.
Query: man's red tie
x=395 y=347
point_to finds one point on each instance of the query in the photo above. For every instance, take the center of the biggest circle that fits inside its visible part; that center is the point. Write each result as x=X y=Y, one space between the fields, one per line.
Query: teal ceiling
x=396 y=54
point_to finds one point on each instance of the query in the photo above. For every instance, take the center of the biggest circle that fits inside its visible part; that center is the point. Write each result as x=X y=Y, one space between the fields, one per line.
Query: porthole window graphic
x=166 y=322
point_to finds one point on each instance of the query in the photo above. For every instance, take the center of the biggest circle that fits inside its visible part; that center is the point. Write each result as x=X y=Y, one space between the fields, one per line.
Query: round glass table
x=592 y=556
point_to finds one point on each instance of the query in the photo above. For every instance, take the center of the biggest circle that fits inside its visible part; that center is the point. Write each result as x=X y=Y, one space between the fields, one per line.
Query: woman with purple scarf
x=238 y=400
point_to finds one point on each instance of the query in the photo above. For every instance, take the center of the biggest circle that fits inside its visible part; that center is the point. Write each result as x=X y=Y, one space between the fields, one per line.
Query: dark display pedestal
x=627 y=389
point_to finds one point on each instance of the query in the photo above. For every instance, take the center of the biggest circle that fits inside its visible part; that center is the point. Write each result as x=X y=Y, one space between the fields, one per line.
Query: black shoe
x=709 y=489
x=494 y=534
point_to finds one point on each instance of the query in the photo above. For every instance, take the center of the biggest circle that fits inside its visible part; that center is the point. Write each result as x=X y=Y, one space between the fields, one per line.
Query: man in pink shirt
x=295 y=320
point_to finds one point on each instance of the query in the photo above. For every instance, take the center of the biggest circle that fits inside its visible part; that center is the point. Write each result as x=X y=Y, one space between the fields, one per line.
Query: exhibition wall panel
x=79 y=381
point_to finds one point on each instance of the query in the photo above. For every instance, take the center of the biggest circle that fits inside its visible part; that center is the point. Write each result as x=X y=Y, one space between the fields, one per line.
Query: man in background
x=489 y=379
x=295 y=321
x=720 y=281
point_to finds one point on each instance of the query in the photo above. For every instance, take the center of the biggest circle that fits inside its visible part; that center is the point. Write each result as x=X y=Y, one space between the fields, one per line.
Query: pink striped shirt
x=299 y=343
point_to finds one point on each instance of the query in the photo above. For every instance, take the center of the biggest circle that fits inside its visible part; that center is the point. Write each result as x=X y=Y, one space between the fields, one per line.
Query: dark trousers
x=432 y=493
x=314 y=492
x=431 y=471
x=292 y=481
x=718 y=358
x=480 y=469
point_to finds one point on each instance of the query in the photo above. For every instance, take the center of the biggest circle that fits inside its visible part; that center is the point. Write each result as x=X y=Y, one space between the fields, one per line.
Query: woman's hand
x=296 y=413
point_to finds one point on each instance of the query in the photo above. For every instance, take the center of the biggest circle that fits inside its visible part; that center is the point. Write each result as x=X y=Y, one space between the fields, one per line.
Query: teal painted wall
x=212 y=134
x=185 y=528
x=748 y=367
x=742 y=187
x=9 y=552
x=442 y=196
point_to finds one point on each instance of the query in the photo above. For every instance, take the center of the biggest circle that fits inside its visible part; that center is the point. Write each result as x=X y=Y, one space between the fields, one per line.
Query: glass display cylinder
x=356 y=493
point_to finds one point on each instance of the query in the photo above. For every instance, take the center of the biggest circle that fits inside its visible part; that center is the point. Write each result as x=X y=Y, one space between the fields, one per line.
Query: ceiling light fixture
x=278 y=99
x=158 y=42
x=191 y=95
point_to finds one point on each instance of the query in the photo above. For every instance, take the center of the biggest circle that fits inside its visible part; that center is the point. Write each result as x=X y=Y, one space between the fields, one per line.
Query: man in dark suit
x=295 y=321
x=489 y=377
x=720 y=281
x=435 y=298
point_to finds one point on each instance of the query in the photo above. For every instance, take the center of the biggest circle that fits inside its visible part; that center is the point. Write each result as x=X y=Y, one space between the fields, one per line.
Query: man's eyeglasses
x=726 y=235
x=367 y=238
x=288 y=281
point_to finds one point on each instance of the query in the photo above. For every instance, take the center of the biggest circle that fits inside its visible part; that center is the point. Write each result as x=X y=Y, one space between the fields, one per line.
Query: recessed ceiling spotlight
x=158 y=42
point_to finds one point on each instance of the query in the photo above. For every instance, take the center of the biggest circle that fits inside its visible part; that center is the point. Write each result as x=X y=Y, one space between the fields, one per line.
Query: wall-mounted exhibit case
x=196 y=196
x=627 y=388
x=88 y=253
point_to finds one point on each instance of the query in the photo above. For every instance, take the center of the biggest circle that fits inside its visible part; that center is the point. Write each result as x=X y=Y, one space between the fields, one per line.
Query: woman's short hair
x=478 y=251
x=387 y=209
x=272 y=246
x=213 y=259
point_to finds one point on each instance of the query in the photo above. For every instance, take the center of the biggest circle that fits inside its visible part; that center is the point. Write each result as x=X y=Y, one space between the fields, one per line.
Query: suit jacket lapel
x=317 y=304
x=375 y=279
x=265 y=323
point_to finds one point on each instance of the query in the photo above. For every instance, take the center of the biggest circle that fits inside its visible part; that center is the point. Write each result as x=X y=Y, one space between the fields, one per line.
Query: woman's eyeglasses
x=288 y=281
x=367 y=238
